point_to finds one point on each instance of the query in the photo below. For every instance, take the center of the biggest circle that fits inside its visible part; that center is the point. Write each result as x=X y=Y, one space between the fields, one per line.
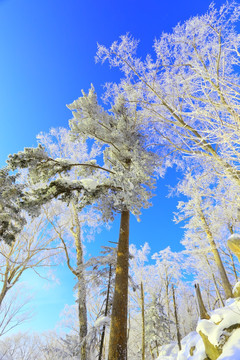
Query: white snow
x=89 y=184
x=231 y=350
x=236 y=287
x=102 y=320
x=234 y=237
x=192 y=339
x=9 y=285
x=168 y=352
x=171 y=351
x=220 y=320
x=214 y=329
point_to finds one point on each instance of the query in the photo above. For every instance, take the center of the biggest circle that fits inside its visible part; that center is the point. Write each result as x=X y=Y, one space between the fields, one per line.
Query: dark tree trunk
x=105 y=314
x=143 y=322
x=176 y=319
x=118 y=329
x=202 y=310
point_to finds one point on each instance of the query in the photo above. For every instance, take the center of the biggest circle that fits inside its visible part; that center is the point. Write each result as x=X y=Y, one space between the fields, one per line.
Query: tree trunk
x=215 y=283
x=143 y=322
x=82 y=307
x=217 y=291
x=202 y=310
x=151 y=352
x=231 y=256
x=176 y=319
x=118 y=328
x=105 y=314
x=225 y=282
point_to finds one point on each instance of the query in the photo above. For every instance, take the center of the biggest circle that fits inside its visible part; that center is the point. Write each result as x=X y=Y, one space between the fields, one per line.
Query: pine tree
x=157 y=326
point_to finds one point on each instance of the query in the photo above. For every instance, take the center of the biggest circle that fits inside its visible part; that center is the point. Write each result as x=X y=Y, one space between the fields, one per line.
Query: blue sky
x=47 y=57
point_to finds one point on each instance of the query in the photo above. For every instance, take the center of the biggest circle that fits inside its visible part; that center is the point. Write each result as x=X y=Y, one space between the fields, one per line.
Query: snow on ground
x=171 y=352
x=231 y=350
x=220 y=320
x=215 y=329
x=168 y=352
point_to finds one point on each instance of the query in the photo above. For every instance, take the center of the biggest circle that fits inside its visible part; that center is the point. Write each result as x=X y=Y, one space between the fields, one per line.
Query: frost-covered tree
x=33 y=248
x=199 y=210
x=168 y=275
x=157 y=326
x=132 y=167
x=11 y=217
x=122 y=184
x=21 y=346
x=188 y=92
x=69 y=223
x=140 y=279
x=15 y=309
x=101 y=273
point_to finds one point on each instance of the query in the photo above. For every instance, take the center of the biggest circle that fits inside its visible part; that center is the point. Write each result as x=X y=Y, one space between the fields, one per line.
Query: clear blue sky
x=47 y=57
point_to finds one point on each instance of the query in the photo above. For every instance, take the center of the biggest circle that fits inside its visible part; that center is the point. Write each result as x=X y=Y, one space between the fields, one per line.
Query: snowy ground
x=215 y=329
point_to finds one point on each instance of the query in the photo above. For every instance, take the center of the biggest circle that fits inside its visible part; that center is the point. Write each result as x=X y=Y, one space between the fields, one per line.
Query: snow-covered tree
x=15 y=309
x=123 y=184
x=202 y=221
x=157 y=326
x=168 y=275
x=188 y=92
x=20 y=346
x=11 y=218
x=68 y=223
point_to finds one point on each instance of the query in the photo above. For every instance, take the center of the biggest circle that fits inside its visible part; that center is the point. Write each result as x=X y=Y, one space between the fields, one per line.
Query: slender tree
x=68 y=221
x=176 y=319
x=199 y=209
x=202 y=310
x=143 y=322
x=11 y=218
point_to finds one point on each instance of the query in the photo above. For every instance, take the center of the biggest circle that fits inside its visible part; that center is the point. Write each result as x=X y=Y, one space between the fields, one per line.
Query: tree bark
x=176 y=319
x=82 y=307
x=231 y=256
x=118 y=328
x=105 y=313
x=202 y=310
x=215 y=283
x=143 y=322
x=225 y=282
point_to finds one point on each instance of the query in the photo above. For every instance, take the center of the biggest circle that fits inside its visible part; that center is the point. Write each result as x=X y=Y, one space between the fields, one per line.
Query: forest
x=178 y=109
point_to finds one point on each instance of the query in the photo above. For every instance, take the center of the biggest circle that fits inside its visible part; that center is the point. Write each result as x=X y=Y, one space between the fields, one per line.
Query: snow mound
x=89 y=184
x=222 y=331
x=192 y=348
x=168 y=352
x=231 y=350
x=220 y=320
x=234 y=237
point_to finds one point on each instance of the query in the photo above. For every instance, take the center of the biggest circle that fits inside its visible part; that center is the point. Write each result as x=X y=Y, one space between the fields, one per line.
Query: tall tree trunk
x=143 y=322
x=233 y=266
x=202 y=310
x=176 y=319
x=82 y=307
x=167 y=285
x=151 y=352
x=225 y=282
x=217 y=291
x=215 y=283
x=231 y=256
x=118 y=328
x=105 y=314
